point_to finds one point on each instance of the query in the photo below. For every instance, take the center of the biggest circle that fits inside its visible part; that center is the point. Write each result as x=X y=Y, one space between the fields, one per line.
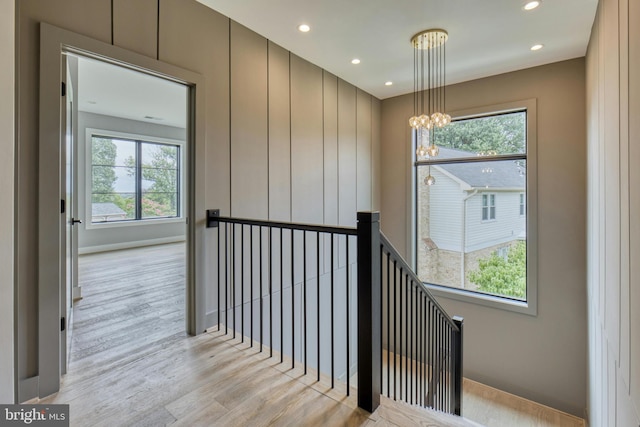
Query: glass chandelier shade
x=429 y=84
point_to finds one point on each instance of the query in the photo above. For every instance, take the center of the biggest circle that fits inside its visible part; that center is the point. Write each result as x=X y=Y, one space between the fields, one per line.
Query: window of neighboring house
x=488 y=207
x=482 y=162
x=134 y=179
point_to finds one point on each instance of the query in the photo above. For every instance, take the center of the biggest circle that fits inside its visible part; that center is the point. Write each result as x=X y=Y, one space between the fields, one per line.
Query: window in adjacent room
x=134 y=179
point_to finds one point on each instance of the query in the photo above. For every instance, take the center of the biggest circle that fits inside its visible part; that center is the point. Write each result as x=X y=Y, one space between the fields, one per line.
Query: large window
x=471 y=221
x=134 y=179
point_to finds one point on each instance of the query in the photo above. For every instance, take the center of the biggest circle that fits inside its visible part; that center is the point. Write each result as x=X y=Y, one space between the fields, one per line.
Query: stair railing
x=294 y=288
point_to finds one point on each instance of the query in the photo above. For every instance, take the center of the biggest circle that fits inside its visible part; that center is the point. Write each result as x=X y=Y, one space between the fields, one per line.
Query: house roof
x=497 y=174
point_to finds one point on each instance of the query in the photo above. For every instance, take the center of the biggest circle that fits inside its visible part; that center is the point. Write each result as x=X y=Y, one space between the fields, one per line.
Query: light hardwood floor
x=132 y=364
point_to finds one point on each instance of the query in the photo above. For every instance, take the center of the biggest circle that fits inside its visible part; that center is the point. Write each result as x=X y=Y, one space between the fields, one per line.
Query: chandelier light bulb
x=430 y=180
x=421 y=152
x=414 y=122
x=433 y=150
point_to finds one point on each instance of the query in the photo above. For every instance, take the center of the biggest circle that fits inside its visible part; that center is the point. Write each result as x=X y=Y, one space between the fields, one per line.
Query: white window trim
x=530 y=306
x=89 y=133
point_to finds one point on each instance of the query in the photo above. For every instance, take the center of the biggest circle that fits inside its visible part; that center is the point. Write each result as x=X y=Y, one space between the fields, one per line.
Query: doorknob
x=75 y=221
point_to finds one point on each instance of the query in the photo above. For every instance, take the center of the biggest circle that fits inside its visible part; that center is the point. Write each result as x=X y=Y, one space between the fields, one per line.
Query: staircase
x=339 y=305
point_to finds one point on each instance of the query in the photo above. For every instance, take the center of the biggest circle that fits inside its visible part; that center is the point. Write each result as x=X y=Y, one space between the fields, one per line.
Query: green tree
x=505 y=276
x=159 y=166
x=503 y=134
x=103 y=158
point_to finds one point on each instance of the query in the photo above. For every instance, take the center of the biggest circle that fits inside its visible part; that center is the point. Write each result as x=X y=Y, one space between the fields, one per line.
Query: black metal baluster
x=242 y=283
x=251 y=283
x=388 y=327
x=395 y=330
x=233 y=277
x=226 y=278
x=281 y=301
x=261 y=292
x=400 y=334
x=219 y=272
x=346 y=237
x=406 y=334
x=411 y=332
x=318 y=300
x=293 y=307
x=270 y=292
x=381 y=320
x=304 y=296
x=331 y=303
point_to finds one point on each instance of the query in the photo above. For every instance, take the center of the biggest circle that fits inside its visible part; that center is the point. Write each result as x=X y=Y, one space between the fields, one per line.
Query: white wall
x=7 y=88
x=113 y=237
x=445 y=209
x=613 y=251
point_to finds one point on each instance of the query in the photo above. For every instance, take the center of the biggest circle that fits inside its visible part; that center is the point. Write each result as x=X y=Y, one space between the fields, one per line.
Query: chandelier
x=428 y=91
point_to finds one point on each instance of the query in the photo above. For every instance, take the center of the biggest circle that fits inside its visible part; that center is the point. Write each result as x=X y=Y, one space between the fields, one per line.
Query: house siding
x=507 y=226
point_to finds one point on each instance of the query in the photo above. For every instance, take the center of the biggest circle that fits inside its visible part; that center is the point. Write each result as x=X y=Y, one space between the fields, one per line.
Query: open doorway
x=56 y=45
x=126 y=193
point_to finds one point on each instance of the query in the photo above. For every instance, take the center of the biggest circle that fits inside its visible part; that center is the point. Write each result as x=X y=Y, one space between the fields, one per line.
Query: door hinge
x=63 y=324
x=63 y=89
x=62 y=206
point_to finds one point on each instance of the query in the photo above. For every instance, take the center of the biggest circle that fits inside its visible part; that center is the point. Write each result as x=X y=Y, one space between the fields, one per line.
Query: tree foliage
x=103 y=155
x=505 y=276
x=503 y=134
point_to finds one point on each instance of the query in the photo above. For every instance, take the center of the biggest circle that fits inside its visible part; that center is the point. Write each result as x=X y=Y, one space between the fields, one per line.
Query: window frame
x=89 y=134
x=530 y=305
x=489 y=208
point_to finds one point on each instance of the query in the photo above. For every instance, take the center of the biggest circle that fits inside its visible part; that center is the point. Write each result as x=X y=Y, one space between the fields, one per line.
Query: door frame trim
x=53 y=42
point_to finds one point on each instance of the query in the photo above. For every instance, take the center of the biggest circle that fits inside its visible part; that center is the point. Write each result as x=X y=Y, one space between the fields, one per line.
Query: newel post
x=457 y=376
x=369 y=297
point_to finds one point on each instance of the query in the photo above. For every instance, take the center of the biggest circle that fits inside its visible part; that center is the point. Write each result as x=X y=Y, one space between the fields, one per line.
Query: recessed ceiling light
x=304 y=28
x=355 y=61
x=537 y=47
x=388 y=83
x=530 y=5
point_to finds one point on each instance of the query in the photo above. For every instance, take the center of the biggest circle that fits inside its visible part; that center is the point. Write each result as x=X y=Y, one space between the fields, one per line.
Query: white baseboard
x=129 y=245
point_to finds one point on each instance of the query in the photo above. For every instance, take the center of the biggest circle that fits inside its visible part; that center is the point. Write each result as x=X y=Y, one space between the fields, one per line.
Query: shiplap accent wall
x=7 y=151
x=613 y=131
x=285 y=140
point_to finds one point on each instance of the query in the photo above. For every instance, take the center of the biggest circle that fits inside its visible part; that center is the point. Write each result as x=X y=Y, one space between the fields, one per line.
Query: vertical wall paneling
x=363 y=151
x=613 y=93
x=135 y=25
x=375 y=154
x=612 y=178
x=249 y=175
x=7 y=153
x=279 y=135
x=347 y=164
x=209 y=31
x=307 y=151
x=623 y=38
x=330 y=135
x=634 y=199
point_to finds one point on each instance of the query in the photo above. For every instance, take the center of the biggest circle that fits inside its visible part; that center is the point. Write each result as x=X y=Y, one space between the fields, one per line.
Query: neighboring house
x=470 y=212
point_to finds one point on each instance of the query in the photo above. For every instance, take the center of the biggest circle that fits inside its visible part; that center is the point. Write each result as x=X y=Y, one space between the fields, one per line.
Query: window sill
x=500 y=303
x=133 y=223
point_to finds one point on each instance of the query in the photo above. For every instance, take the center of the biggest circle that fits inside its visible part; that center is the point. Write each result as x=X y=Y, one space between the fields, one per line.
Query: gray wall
x=96 y=239
x=7 y=109
x=613 y=247
x=542 y=358
x=282 y=165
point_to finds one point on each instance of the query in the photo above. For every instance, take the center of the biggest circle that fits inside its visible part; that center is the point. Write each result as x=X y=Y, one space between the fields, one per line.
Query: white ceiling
x=486 y=37
x=111 y=90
